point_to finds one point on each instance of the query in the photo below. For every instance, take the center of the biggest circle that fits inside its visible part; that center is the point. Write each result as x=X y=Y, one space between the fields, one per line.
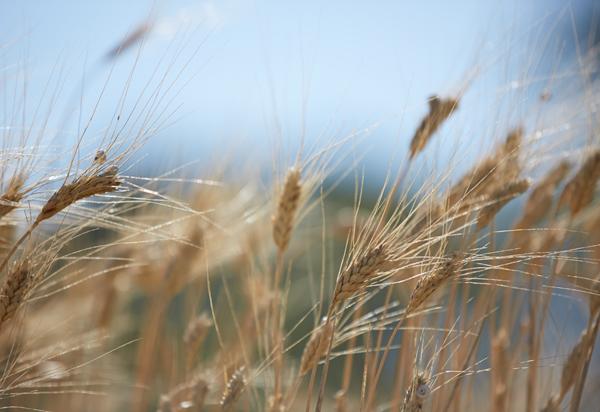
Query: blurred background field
x=264 y=74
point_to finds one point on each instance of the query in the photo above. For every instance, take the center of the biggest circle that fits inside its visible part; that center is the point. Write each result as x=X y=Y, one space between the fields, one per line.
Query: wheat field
x=303 y=284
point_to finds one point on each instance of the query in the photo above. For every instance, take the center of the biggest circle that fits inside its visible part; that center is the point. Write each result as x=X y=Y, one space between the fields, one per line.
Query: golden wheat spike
x=499 y=198
x=316 y=346
x=430 y=283
x=356 y=277
x=289 y=199
x=579 y=191
x=234 y=388
x=572 y=366
x=14 y=291
x=82 y=187
x=416 y=394
x=539 y=202
x=439 y=110
x=12 y=196
x=197 y=329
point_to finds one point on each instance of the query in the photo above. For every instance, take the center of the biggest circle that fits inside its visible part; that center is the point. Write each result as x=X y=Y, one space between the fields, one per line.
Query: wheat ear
x=416 y=394
x=316 y=346
x=571 y=369
x=539 y=201
x=82 y=187
x=234 y=388
x=189 y=395
x=12 y=196
x=499 y=198
x=579 y=191
x=194 y=335
x=439 y=111
x=428 y=284
x=14 y=292
x=283 y=220
x=358 y=274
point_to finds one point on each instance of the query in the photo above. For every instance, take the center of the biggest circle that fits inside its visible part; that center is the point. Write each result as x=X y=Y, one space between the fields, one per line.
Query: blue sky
x=268 y=72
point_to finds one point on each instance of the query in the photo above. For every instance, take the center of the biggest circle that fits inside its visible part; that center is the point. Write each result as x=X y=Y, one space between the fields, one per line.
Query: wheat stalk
x=197 y=330
x=553 y=405
x=500 y=367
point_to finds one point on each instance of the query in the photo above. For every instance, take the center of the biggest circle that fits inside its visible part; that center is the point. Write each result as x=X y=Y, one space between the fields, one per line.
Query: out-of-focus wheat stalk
x=439 y=110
